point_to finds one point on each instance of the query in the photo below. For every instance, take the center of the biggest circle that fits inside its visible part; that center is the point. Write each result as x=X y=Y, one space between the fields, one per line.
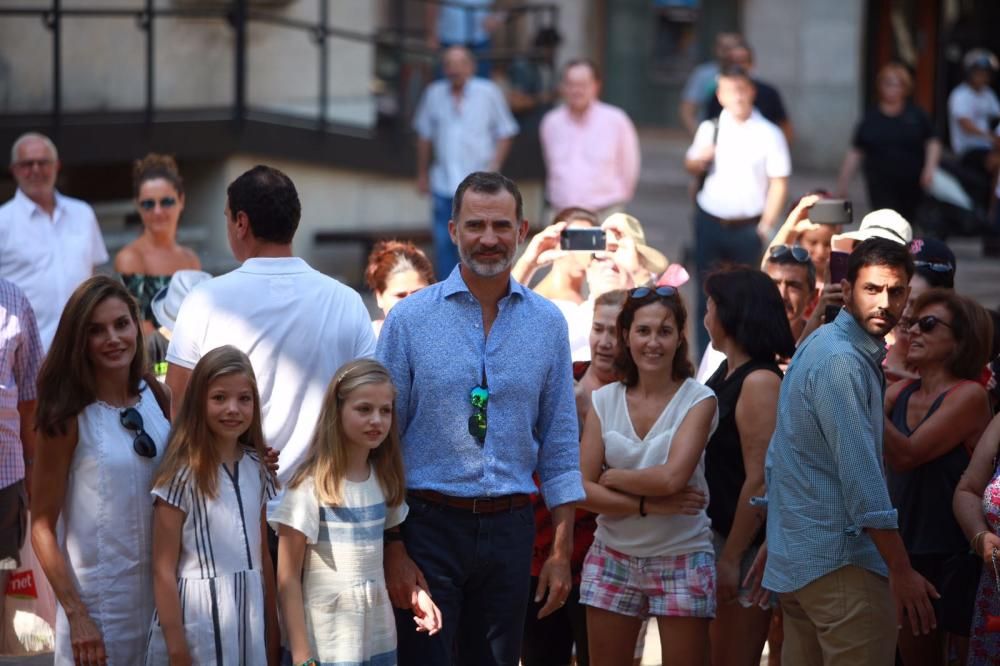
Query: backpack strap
x=162 y=399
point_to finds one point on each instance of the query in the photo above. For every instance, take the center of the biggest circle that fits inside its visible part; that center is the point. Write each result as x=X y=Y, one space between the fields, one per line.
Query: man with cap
x=972 y=108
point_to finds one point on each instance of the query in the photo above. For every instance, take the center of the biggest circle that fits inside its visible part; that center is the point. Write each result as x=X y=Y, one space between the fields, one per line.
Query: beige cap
x=656 y=262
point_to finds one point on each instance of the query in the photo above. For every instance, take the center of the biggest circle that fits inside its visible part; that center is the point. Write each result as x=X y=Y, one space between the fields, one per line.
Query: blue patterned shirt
x=433 y=345
x=824 y=470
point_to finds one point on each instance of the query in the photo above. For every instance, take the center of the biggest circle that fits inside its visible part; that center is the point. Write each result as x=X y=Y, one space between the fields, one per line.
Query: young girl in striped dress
x=348 y=491
x=212 y=575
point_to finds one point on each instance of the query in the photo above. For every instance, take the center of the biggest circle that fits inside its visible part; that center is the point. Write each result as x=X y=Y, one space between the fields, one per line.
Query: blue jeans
x=718 y=245
x=445 y=252
x=478 y=568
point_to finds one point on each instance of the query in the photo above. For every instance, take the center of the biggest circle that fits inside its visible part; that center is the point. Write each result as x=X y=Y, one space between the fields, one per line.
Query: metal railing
x=402 y=43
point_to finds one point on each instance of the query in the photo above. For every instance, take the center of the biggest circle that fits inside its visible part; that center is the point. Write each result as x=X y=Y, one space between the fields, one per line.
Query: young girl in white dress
x=346 y=493
x=212 y=575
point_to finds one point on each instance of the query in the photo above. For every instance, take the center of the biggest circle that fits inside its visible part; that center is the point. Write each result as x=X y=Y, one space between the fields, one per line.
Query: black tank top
x=923 y=495
x=724 y=470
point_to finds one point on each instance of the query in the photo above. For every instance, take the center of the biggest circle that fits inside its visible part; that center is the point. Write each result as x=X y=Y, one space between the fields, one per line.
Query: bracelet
x=642 y=506
x=311 y=661
x=977 y=543
x=393 y=536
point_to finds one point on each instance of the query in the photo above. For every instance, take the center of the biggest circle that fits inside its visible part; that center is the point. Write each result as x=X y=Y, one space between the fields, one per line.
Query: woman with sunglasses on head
x=931 y=426
x=147 y=263
x=747 y=322
x=642 y=460
x=102 y=432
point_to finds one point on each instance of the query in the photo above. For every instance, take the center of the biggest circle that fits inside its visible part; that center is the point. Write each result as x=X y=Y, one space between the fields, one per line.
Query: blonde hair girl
x=346 y=493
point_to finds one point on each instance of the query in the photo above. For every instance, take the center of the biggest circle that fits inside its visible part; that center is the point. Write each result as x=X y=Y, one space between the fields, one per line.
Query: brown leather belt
x=474 y=504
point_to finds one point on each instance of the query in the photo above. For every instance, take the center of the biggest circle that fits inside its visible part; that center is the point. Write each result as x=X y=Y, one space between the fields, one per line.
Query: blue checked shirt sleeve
x=28 y=357
x=557 y=431
x=852 y=423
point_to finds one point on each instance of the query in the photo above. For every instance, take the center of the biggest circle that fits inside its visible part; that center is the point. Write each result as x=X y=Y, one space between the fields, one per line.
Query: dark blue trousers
x=478 y=568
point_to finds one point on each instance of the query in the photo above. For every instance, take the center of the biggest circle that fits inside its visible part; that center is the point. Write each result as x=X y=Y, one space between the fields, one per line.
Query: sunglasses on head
x=936 y=266
x=799 y=253
x=143 y=444
x=927 y=323
x=665 y=291
x=165 y=202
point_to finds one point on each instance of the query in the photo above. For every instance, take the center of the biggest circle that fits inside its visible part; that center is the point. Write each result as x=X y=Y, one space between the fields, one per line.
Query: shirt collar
x=274 y=265
x=455 y=284
x=862 y=339
x=31 y=207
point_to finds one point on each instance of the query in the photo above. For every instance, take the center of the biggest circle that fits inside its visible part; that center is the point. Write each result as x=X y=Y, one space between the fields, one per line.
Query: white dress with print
x=219 y=575
x=349 y=618
x=105 y=529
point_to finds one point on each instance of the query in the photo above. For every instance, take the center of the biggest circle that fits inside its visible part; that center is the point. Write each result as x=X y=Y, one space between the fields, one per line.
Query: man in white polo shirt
x=296 y=324
x=49 y=243
x=746 y=160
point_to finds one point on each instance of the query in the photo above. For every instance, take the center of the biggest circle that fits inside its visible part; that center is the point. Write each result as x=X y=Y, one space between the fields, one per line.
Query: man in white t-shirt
x=747 y=163
x=296 y=324
x=973 y=107
x=49 y=243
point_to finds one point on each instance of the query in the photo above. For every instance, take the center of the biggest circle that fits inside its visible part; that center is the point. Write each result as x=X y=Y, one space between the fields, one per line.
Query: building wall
x=104 y=61
x=813 y=51
x=332 y=199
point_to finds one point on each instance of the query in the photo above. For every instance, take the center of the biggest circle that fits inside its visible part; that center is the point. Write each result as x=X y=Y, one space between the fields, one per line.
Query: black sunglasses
x=936 y=266
x=165 y=202
x=143 y=444
x=799 y=253
x=479 y=396
x=665 y=291
x=928 y=323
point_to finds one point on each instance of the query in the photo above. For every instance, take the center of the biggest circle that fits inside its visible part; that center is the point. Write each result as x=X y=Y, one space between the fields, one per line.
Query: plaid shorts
x=668 y=585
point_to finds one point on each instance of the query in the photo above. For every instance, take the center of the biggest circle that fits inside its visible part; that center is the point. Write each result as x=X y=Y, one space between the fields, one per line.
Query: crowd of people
x=534 y=451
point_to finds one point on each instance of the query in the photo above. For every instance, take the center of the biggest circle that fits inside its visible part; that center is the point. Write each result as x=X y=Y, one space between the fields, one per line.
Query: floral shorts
x=668 y=585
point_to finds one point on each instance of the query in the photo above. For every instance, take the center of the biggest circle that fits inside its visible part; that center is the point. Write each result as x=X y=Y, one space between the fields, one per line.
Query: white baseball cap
x=883 y=223
x=167 y=301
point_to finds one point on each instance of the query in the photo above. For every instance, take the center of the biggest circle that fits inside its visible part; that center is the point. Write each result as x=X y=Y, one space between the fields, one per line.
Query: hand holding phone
x=838 y=272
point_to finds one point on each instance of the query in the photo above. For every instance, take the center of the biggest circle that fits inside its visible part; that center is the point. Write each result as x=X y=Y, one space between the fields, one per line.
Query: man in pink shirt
x=591 y=148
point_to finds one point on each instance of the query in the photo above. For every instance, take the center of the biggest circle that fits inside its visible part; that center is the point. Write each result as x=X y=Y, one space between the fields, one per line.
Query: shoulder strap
x=715 y=130
x=161 y=396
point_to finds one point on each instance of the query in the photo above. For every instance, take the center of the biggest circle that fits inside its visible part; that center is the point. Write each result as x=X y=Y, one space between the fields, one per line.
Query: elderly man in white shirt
x=746 y=164
x=467 y=122
x=49 y=243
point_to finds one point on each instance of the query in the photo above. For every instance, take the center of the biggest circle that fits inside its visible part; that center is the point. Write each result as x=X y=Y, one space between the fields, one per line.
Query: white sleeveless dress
x=105 y=529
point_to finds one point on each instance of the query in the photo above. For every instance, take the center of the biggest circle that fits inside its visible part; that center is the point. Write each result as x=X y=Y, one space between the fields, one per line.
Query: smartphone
x=838 y=272
x=582 y=239
x=831 y=211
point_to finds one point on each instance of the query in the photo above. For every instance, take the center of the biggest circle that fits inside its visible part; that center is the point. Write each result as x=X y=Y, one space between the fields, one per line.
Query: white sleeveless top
x=105 y=529
x=651 y=536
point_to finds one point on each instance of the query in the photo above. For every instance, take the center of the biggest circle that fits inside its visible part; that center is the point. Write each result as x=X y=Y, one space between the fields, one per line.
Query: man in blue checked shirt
x=485 y=399
x=834 y=550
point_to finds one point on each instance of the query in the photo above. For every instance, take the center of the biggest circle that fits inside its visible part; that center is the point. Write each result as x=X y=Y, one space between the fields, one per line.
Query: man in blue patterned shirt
x=485 y=399
x=834 y=550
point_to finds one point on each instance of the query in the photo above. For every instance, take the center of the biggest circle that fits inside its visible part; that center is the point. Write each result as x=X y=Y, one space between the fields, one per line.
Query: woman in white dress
x=102 y=431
